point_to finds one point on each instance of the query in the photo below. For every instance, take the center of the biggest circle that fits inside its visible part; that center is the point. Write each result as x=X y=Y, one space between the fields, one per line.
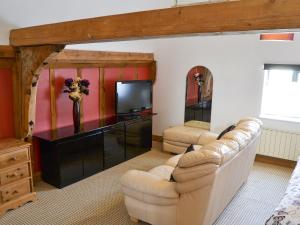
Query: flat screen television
x=133 y=96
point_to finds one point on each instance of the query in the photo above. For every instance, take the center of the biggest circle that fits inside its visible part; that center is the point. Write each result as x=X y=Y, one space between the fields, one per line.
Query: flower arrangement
x=76 y=88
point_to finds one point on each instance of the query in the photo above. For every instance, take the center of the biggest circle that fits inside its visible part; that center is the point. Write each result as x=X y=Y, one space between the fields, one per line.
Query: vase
x=76 y=116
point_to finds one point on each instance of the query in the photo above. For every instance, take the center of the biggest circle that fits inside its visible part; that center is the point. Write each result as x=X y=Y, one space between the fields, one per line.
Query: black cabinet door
x=70 y=162
x=138 y=137
x=92 y=150
x=114 y=145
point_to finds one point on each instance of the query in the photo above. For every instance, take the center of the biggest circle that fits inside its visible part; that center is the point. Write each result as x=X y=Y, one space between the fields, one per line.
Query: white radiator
x=279 y=144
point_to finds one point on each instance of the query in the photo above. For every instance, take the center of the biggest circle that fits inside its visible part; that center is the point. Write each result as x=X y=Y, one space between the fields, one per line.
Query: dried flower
x=76 y=88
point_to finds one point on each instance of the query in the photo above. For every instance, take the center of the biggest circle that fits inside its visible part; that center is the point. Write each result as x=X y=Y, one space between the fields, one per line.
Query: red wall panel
x=143 y=73
x=90 y=103
x=64 y=105
x=6 y=104
x=111 y=75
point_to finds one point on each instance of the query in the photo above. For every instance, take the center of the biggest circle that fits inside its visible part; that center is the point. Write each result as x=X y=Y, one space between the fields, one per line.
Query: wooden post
x=30 y=62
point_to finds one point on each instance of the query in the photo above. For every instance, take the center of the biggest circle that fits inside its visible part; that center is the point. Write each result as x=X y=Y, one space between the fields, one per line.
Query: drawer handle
x=14 y=158
x=15 y=192
x=12 y=175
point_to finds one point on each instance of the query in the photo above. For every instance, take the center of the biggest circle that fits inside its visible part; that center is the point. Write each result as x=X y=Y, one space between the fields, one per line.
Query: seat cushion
x=173 y=161
x=184 y=134
x=163 y=171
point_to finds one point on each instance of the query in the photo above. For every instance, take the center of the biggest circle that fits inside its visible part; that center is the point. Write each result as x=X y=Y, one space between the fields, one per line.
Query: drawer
x=15 y=190
x=14 y=174
x=12 y=158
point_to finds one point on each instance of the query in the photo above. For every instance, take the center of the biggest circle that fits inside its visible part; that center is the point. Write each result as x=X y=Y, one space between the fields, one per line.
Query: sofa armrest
x=149 y=184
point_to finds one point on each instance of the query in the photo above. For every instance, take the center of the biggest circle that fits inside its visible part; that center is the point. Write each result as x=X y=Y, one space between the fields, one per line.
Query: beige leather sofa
x=206 y=180
x=177 y=139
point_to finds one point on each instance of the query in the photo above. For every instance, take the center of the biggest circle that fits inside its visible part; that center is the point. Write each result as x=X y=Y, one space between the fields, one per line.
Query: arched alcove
x=198 y=98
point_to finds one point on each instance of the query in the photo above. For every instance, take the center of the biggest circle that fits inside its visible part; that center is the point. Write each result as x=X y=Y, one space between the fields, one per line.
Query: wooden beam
x=240 y=16
x=7 y=51
x=82 y=57
x=30 y=62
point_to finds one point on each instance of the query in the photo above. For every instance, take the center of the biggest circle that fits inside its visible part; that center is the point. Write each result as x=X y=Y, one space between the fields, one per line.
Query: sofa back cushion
x=202 y=156
x=240 y=136
x=230 y=128
x=251 y=127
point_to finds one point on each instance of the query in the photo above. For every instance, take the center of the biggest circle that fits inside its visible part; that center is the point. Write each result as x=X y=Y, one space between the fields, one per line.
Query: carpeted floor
x=98 y=200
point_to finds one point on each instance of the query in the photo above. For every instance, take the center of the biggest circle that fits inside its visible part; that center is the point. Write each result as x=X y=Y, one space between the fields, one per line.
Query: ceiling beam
x=239 y=16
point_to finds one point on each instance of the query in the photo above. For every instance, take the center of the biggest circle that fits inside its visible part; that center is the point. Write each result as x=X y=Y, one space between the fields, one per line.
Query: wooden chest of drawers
x=16 y=185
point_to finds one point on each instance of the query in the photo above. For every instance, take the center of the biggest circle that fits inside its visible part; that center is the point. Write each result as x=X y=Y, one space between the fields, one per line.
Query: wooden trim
x=153 y=71
x=136 y=73
x=7 y=51
x=102 y=64
x=37 y=177
x=79 y=75
x=6 y=63
x=197 y=19
x=102 y=95
x=275 y=161
x=157 y=138
x=82 y=56
x=52 y=99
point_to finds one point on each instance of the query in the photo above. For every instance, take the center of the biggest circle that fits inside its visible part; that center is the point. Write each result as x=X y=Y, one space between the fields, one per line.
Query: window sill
x=281 y=118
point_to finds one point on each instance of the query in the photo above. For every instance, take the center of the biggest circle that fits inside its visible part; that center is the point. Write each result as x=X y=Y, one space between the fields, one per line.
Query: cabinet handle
x=15 y=192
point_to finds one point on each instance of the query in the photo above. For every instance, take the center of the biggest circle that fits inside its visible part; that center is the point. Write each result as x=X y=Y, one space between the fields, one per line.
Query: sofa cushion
x=195 y=158
x=206 y=138
x=240 y=136
x=189 y=135
x=173 y=161
x=258 y=121
x=149 y=184
x=249 y=126
x=194 y=172
x=173 y=148
x=230 y=143
x=230 y=128
x=162 y=171
x=226 y=152
x=189 y=149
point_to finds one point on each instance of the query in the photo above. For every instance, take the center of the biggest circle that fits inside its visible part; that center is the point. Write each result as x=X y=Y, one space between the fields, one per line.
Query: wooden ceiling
x=240 y=16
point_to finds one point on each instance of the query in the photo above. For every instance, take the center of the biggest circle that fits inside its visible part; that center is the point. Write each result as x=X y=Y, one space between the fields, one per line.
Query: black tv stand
x=67 y=157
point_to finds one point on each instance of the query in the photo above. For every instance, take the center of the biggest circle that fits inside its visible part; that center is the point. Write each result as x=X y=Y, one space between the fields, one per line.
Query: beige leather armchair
x=206 y=181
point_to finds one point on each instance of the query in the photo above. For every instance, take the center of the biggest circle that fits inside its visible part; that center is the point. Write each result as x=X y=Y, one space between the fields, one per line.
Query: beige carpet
x=98 y=200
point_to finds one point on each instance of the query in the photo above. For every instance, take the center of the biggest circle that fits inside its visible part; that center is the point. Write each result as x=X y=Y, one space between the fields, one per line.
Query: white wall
x=236 y=62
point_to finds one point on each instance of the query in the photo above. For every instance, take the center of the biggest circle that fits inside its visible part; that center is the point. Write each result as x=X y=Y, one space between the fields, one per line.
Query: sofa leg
x=135 y=220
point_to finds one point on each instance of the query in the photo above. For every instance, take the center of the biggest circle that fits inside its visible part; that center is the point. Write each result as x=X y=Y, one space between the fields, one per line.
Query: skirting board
x=157 y=138
x=275 y=161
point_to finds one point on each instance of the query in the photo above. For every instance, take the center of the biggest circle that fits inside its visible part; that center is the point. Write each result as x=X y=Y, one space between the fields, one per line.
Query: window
x=277 y=37
x=281 y=93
